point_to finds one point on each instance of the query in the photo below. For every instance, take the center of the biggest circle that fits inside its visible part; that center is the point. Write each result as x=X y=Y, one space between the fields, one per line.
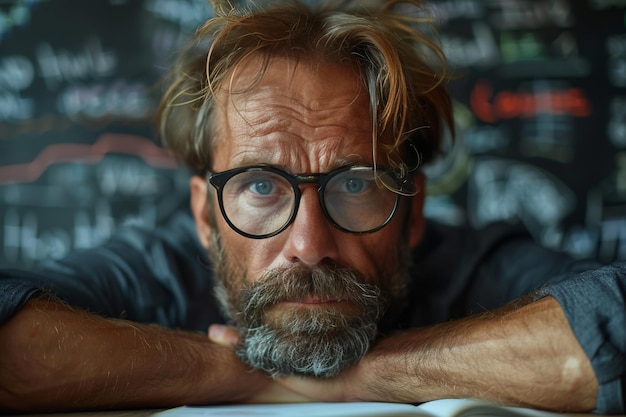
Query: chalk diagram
x=74 y=196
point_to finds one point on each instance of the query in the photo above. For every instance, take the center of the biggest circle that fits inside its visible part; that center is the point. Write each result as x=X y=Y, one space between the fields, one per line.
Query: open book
x=438 y=408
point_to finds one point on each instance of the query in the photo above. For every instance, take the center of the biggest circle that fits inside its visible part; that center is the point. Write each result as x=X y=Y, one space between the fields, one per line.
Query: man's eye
x=354 y=185
x=262 y=187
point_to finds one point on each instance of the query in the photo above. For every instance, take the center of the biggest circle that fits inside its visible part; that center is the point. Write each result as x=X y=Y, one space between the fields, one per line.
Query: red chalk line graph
x=109 y=143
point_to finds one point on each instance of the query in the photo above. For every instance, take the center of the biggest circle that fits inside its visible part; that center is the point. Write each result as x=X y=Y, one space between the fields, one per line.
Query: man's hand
x=519 y=355
x=271 y=392
x=53 y=357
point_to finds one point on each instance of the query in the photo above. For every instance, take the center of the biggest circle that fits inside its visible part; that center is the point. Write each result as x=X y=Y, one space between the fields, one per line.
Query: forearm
x=53 y=357
x=521 y=356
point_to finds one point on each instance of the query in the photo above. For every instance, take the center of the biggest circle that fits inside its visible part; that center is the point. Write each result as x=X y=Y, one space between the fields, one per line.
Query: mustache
x=324 y=283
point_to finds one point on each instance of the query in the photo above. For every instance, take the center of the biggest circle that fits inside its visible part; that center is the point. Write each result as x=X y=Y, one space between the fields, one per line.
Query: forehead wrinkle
x=261 y=118
x=287 y=150
x=294 y=156
x=246 y=85
x=297 y=125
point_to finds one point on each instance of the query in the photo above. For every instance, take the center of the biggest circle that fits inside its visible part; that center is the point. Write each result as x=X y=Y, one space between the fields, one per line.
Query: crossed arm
x=523 y=356
x=53 y=357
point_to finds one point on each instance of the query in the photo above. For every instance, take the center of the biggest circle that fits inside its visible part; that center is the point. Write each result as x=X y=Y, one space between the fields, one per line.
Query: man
x=306 y=130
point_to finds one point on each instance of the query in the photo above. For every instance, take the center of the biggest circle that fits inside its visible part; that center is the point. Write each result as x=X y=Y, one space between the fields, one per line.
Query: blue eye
x=264 y=187
x=354 y=185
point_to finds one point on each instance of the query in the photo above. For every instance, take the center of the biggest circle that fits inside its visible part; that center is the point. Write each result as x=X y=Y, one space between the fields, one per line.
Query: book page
x=360 y=409
x=471 y=407
x=438 y=408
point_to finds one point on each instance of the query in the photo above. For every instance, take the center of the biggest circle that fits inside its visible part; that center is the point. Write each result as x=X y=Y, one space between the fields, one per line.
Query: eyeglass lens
x=260 y=202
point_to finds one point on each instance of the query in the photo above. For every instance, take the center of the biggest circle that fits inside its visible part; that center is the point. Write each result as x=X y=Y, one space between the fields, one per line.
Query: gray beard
x=316 y=341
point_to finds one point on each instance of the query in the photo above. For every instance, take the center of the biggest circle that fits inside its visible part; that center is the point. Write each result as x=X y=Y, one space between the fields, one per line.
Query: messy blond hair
x=402 y=68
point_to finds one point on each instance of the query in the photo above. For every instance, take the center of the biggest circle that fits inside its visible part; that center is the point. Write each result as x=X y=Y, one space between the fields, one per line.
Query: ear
x=199 y=208
x=416 y=215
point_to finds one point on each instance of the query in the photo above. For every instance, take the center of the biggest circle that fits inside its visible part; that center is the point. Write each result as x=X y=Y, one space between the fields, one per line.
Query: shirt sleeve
x=146 y=275
x=14 y=293
x=594 y=303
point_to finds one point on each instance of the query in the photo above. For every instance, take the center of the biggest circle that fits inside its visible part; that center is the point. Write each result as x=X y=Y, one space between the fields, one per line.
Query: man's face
x=308 y=299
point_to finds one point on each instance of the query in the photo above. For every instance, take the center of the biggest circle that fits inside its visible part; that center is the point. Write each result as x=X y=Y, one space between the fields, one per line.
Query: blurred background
x=540 y=104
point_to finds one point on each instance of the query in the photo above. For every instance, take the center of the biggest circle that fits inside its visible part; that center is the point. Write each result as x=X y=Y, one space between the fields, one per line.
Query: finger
x=223 y=335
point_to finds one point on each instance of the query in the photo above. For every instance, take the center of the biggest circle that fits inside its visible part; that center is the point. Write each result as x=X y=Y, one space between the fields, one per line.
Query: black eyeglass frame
x=219 y=179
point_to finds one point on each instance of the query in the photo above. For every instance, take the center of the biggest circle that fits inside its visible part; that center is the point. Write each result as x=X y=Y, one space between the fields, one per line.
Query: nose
x=311 y=239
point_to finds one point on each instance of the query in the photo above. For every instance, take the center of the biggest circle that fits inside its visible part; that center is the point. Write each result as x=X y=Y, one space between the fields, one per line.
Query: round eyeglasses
x=261 y=201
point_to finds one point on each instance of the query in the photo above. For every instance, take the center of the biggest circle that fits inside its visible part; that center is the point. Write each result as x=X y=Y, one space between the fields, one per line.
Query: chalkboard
x=540 y=104
x=79 y=82
x=541 y=113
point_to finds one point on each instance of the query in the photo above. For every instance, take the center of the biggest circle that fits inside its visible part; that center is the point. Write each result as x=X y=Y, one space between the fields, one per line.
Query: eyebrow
x=260 y=159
